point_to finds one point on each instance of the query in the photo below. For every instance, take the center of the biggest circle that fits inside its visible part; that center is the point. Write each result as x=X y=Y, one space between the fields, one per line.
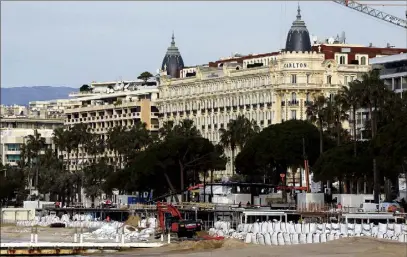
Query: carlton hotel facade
x=268 y=88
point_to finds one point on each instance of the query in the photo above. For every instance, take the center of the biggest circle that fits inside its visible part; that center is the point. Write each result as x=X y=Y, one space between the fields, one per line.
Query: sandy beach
x=347 y=247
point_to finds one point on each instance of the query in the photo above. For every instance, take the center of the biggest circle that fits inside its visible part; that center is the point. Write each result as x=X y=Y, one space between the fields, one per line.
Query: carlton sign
x=295 y=65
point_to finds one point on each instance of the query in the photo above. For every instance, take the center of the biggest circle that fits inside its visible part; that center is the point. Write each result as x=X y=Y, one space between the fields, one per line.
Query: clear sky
x=74 y=43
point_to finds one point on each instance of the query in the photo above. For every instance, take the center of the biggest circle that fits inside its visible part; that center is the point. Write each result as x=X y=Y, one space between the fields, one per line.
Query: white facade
x=279 y=90
x=12 y=139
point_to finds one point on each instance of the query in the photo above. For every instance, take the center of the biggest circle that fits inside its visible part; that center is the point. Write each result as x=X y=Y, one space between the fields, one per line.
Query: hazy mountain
x=23 y=95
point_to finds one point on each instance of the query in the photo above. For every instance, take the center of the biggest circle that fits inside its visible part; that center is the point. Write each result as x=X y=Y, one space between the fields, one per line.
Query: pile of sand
x=208 y=245
x=132 y=220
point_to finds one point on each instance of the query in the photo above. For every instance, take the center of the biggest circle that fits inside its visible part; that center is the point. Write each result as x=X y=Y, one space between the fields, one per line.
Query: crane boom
x=373 y=12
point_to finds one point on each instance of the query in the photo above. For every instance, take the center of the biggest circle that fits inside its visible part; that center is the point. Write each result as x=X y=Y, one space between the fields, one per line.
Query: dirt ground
x=45 y=234
x=347 y=247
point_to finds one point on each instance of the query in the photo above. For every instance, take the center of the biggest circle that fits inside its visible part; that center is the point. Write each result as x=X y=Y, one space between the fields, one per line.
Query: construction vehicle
x=171 y=222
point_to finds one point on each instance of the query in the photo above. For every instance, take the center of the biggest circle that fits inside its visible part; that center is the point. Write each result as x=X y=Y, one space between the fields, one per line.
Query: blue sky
x=74 y=43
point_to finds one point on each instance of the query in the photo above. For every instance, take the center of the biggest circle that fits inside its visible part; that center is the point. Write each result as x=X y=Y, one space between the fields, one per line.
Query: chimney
x=388 y=45
x=370 y=45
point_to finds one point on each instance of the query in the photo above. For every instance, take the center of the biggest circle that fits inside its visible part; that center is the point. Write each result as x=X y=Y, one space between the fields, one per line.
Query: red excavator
x=170 y=221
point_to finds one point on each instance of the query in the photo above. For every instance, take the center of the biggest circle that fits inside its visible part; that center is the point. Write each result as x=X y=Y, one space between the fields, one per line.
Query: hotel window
x=363 y=61
x=329 y=79
x=308 y=78
x=293 y=97
x=293 y=78
x=346 y=80
x=342 y=60
x=307 y=97
x=294 y=114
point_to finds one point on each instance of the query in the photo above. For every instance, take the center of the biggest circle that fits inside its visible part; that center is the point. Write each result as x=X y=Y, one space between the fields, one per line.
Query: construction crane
x=373 y=12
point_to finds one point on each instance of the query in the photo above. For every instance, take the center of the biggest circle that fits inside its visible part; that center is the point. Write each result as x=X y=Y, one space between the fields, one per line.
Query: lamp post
x=29 y=179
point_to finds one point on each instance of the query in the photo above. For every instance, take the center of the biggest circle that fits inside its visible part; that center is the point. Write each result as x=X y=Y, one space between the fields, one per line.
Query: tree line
x=134 y=159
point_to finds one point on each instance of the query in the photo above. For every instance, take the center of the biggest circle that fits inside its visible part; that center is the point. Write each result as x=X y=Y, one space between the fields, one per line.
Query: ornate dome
x=172 y=62
x=298 y=39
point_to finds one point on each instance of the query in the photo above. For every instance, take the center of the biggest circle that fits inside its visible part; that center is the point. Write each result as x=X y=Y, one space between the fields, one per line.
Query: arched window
x=363 y=61
x=293 y=96
x=307 y=97
x=329 y=79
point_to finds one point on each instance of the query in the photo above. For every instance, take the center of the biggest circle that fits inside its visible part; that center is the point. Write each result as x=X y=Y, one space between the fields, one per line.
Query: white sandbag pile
x=77 y=221
x=112 y=232
x=281 y=233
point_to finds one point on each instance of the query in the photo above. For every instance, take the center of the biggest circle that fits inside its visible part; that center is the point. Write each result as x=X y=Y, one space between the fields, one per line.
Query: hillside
x=23 y=95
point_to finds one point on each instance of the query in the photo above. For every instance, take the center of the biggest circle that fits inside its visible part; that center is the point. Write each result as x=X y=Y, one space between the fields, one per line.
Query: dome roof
x=298 y=39
x=172 y=62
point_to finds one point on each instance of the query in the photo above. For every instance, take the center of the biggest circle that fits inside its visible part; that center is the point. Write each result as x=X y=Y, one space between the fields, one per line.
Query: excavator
x=170 y=221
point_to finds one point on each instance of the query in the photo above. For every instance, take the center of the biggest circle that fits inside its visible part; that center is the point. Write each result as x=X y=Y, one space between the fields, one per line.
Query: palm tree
x=80 y=134
x=351 y=96
x=372 y=97
x=237 y=134
x=316 y=113
x=35 y=144
x=115 y=142
x=340 y=114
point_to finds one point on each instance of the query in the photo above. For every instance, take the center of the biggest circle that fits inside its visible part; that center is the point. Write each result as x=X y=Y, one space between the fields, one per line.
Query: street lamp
x=29 y=180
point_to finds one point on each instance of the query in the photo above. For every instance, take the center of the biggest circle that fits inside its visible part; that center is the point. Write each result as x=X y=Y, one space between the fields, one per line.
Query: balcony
x=293 y=103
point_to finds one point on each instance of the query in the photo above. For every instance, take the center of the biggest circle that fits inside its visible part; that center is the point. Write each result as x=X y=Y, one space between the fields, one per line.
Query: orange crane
x=364 y=8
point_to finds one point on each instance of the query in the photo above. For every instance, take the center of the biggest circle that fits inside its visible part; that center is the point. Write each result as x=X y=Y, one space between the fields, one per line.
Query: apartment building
x=13 y=110
x=14 y=133
x=393 y=72
x=112 y=104
x=51 y=109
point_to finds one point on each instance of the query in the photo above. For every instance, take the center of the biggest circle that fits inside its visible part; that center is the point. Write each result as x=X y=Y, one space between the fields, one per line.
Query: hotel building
x=268 y=88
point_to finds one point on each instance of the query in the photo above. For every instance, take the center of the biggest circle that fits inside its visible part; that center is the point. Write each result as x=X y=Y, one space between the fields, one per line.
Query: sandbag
x=309 y=238
x=254 y=239
x=260 y=239
x=303 y=238
x=287 y=238
x=274 y=239
x=270 y=228
x=240 y=228
x=382 y=228
x=248 y=239
x=397 y=229
x=280 y=239
x=316 y=239
x=358 y=228
x=321 y=228
x=264 y=226
x=283 y=227
x=290 y=228
x=256 y=228
x=298 y=228
x=295 y=239
x=343 y=229
x=267 y=238
x=305 y=228
x=312 y=228
x=323 y=238
x=277 y=226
